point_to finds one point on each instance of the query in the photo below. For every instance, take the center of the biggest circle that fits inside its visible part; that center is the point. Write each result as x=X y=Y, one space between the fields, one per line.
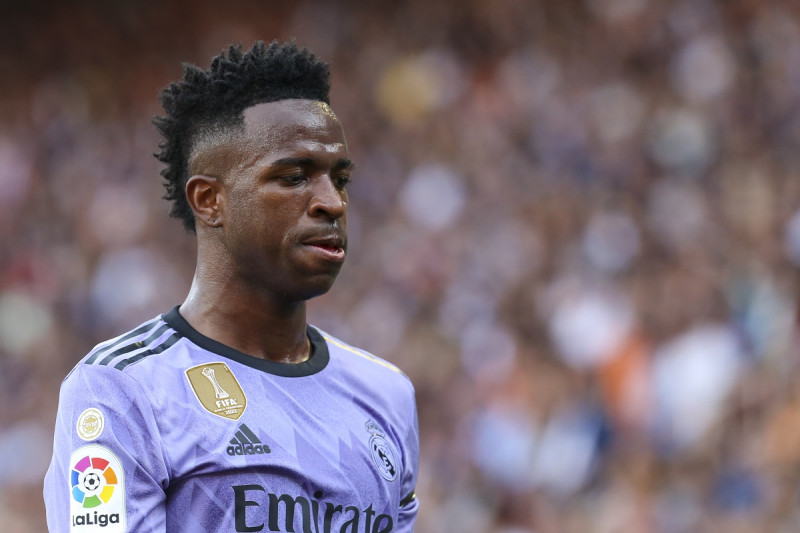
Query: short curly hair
x=209 y=101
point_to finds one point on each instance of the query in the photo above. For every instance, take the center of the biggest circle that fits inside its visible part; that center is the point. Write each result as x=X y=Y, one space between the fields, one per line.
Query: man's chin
x=315 y=287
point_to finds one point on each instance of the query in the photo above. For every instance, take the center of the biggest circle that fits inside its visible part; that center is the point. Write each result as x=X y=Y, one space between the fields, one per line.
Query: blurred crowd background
x=575 y=225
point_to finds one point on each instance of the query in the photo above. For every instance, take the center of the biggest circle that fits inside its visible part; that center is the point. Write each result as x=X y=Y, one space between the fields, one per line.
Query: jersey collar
x=317 y=361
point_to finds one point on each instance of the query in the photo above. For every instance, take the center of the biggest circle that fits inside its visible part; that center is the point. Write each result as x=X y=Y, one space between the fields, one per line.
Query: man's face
x=285 y=201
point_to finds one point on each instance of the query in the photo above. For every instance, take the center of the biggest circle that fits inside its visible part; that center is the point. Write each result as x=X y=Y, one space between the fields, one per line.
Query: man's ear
x=205 y=197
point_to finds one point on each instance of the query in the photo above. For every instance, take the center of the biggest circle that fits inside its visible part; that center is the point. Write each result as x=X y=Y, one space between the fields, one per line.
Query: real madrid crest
x=383 y=456
x=217 y=390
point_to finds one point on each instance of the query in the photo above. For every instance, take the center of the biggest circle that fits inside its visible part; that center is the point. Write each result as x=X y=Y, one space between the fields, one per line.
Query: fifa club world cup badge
x=383 y=457
x=217 y=390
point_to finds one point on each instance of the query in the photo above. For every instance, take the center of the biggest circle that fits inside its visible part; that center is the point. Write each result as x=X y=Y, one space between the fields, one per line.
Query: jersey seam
x=368 y=357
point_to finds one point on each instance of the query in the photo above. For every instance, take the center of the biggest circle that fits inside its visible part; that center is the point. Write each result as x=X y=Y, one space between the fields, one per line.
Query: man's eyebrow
x=344 y=164
x=340 y=164
x=292 y=162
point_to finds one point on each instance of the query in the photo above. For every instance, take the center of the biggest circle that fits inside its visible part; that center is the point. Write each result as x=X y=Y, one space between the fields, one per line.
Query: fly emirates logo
x=316 y=516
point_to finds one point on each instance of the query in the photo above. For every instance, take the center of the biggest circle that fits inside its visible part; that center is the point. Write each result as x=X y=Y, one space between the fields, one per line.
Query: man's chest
x=271 y=449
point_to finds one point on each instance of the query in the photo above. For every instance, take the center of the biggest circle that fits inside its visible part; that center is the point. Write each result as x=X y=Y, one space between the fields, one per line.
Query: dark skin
x=270 y=205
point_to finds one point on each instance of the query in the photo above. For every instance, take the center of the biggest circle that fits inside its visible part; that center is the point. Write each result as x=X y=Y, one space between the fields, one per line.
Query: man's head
x=207 y=105
x=258 y=167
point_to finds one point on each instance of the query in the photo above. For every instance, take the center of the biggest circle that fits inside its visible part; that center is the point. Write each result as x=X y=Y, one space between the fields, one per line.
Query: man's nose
x=327 y=199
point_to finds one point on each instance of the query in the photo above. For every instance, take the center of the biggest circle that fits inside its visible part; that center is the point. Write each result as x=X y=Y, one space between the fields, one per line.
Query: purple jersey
x=164 y=429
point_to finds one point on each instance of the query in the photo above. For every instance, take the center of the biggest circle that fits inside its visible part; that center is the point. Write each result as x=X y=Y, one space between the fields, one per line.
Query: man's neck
x=248 y=321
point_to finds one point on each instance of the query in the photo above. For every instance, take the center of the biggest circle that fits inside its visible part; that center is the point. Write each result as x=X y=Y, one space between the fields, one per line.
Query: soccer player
x=230 y=412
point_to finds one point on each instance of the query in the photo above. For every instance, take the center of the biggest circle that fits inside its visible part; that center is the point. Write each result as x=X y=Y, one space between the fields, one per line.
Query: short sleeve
x=109 y=471
x=409 y=505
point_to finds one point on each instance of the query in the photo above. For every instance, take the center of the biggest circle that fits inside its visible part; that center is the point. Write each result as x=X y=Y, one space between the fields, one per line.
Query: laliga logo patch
x=382 y=455
x=93 y=481
x=97 y=486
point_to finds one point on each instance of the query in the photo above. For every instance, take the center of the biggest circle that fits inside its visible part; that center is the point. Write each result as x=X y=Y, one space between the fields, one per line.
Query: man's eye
x=342 y=181
x=294 y=179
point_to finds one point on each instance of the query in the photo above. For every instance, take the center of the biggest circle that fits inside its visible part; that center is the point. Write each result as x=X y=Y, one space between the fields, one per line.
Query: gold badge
x=90 y=424
x=217 y=390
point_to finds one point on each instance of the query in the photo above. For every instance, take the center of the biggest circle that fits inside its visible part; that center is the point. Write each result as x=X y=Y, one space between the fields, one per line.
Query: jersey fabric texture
x=165 y=430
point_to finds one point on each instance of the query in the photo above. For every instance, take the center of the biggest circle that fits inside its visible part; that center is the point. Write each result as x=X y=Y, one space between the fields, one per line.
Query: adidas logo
x=245 y=442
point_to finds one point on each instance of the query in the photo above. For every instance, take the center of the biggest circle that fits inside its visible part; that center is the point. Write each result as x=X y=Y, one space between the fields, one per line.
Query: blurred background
x=575 y=225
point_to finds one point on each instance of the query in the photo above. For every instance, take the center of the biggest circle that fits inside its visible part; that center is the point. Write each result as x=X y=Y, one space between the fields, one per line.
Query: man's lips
x=330 y=248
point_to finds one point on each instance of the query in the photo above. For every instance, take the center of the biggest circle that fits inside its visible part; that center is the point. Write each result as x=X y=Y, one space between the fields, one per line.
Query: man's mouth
x=328 y=249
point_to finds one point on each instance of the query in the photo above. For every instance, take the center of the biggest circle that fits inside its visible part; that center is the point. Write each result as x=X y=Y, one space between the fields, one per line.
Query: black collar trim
x=316 y=362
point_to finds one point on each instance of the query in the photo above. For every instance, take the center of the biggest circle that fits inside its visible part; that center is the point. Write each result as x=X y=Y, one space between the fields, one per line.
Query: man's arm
x=409 y=505
x=109 y=471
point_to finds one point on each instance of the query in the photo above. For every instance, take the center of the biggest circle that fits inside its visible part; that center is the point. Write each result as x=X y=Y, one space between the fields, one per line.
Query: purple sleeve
x=109 y=470
x=409 y=505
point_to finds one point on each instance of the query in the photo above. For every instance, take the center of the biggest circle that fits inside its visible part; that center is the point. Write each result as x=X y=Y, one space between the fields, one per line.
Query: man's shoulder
x=359 y=357
x=131 y=348
x=372 y=379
